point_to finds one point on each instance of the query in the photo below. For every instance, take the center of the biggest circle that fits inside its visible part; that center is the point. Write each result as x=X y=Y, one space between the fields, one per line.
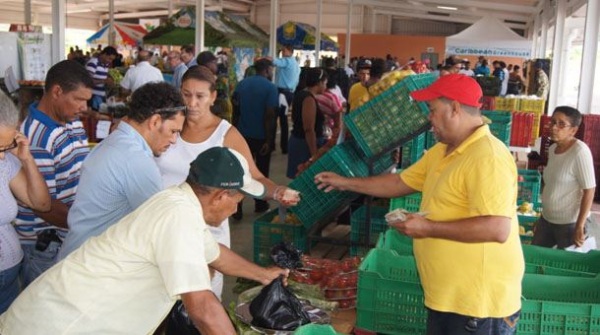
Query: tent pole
x=169 y=14
x=59 y=21
x=588 y=60
x=273 y=33
x=199 y=26
x=111 y=19
x=318 y=35
x=348 y=33
x=557 y=54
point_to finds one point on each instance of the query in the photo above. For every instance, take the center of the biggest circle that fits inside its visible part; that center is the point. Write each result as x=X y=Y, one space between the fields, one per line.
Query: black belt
x=285 y=90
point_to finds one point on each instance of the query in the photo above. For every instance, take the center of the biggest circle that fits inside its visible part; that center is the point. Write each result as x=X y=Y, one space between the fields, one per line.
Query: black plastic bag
x=277 y=308
x=286 y=256
x=179 y=322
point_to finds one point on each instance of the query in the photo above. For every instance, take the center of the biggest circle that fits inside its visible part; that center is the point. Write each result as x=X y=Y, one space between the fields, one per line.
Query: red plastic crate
x=488 y=103
x=522 y=126
x=589 y=133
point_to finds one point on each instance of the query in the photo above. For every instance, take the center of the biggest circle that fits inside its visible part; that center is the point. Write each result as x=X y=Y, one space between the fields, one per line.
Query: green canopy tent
x=220 y=31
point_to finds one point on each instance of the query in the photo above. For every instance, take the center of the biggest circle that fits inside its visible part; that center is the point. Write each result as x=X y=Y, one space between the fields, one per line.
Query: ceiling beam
x=469 y=16
x=456 y=19
x=484 y=5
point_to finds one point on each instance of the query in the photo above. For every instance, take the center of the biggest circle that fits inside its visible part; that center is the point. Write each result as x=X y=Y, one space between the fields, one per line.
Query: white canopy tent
x=488 y=37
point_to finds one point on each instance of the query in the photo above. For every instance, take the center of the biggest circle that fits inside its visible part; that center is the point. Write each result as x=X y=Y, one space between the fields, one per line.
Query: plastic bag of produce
x=277 y=308
x=179 y=322
x=286 y=256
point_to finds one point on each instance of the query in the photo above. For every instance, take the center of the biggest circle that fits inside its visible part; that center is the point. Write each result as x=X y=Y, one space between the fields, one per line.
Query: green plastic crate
x=314 y=329
x=527 y=222
x=343 y=159
x=267 y=234
x=358 y=229
x=501 y=124
x=529 y=187
x=430 y=140
x=411 y=202
x=560 y=305
x=393 y=240
x=391 y=117
x=390 y=298
x=588 y=262
x=413 y=150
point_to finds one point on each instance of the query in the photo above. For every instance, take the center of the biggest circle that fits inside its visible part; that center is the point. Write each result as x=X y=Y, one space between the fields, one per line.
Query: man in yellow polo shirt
x=359 y=89
x=467 y=244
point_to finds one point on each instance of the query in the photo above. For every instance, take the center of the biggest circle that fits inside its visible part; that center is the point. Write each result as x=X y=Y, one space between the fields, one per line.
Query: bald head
x=144 y=56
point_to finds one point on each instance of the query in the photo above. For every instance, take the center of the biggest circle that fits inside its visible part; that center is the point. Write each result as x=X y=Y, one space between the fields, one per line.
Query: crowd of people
x=108 y=240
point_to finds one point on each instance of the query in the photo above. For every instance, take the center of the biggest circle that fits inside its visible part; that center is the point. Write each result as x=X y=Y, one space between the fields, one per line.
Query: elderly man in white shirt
x=141 y=74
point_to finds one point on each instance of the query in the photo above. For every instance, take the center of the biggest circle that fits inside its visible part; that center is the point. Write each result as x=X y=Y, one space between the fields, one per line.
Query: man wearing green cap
x=127 y=279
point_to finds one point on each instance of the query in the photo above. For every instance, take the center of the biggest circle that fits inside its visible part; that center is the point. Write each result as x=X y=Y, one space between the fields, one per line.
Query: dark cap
x=225 y=168
x=205 y=57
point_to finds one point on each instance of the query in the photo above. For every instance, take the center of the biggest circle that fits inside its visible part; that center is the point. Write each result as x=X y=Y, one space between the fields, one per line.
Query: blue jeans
x=441 y=323
x=35 y=262
x=9 y=286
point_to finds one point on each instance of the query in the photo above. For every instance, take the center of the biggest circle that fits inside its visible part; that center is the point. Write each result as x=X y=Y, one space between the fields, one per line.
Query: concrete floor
x=242 y=231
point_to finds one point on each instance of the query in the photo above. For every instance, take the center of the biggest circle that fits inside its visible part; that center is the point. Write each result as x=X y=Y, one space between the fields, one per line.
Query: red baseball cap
x=459 y=87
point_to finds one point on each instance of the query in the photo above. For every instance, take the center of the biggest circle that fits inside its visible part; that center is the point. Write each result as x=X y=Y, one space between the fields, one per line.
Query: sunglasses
x=172 y=110
x=559 y=124
x=10 y=146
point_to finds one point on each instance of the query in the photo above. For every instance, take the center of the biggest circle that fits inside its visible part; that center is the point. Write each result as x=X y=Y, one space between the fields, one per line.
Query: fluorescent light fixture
x=447 y=8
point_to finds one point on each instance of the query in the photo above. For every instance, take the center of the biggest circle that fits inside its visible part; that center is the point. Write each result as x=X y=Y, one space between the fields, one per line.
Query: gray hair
x=9 y=114
x=475 y=111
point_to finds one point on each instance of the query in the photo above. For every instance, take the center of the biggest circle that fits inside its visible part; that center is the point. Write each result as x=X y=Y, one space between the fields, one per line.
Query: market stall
x=126 y=34
x=221 y=30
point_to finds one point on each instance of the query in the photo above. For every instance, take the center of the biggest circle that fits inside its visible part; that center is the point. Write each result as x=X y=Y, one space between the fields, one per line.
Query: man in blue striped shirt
x=59 y=145
x=98 y=69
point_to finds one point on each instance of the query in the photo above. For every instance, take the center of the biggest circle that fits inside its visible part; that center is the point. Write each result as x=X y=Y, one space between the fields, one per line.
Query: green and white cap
x=225 y=168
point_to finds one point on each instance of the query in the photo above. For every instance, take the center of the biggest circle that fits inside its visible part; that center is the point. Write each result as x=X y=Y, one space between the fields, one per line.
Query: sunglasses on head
x=172 y=110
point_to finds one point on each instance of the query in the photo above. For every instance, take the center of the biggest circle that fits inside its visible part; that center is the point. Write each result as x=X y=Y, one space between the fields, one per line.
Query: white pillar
x=27 y=11
x=59 y=22
x=348 y=33
x=536 y=40
x=199 y=41
x=111 y=23
x=273 y=33
x=544 y=36
x=588 y=59
x=559 y=30
x=318 y=37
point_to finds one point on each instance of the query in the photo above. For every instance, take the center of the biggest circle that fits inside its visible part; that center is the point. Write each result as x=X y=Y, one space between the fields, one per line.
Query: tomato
x=349 y=293
x=330 y=294
x=347 y=265
x=316 y=274
x=345 y=303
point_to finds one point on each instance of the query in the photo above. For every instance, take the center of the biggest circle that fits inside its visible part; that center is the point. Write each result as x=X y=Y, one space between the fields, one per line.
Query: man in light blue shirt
x=120 y=174
x=178 y=67
x=287 y=76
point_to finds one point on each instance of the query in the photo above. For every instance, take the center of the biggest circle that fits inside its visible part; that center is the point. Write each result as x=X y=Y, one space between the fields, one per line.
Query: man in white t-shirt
x=126 y=280
x=141 y=74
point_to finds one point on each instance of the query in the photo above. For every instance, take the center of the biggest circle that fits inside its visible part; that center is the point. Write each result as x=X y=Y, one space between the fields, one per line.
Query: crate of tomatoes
x=338 y=279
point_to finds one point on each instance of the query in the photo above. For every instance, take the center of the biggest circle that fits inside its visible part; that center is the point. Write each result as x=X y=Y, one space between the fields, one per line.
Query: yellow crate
x=533 y=105
x=535 y=130
x=508 y=104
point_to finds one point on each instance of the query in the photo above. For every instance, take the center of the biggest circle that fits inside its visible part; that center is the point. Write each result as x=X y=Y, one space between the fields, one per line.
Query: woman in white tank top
x=203 y=130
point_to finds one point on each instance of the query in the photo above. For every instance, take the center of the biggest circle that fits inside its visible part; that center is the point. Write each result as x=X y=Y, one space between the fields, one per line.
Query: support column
x=348 y=33
x=536 y=41
x=273 y=28
x=557 y=55
x=199 y=40
x=111 y=23
x=544 y=35
x=59 y=22
x=318 y=37
x=27 y=11
x=588 y=59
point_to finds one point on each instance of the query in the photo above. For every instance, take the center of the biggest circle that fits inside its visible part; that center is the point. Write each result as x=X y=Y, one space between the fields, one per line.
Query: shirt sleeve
x=45 y=163
x=126 y=82
x=183 y=249
x=584 y=168
x=491 y=187
x=90 y=66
